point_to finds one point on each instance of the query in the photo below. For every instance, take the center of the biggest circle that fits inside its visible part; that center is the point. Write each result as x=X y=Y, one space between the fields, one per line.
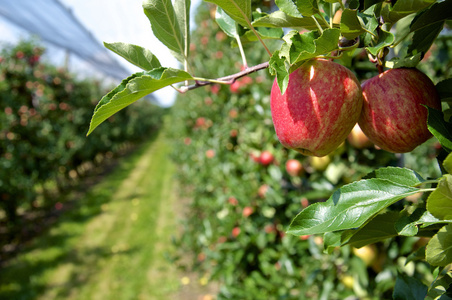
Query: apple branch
x=230 y=79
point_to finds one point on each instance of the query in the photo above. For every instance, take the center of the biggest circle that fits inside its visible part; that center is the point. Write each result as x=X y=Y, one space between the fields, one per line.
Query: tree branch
x=230 y=79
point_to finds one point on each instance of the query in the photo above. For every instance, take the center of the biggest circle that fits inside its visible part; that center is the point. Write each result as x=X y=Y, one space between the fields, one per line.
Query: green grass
x=112 y=244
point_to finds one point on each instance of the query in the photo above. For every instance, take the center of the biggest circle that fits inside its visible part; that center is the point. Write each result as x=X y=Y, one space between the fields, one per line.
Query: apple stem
x=199 y=82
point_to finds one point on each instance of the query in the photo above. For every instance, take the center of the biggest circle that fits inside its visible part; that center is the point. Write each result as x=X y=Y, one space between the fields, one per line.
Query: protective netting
x=55 y=24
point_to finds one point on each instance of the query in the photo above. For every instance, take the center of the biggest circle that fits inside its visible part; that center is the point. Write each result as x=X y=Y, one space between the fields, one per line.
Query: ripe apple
x=318 y=110
x=358 y=139
x=266 y=158
x=393 y=116
x=235 y=231
x=247 y=211
x=294 y=167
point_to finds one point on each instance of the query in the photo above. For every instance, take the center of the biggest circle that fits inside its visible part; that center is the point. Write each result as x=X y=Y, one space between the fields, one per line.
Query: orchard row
x=44 y=112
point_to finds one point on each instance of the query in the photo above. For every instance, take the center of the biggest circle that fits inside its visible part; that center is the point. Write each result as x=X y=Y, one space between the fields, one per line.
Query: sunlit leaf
x=182 y=10
x=439 y=203
x=132 y=89
x=280 y=19
x=439 y=249
x=165 y=25
x=226 y=23
x=136 y=55
x=289 y=8
x=398 y=175
x=447 y=163
x=307 y=8
x=239 y=10
x=385 y=39
x=349 y=207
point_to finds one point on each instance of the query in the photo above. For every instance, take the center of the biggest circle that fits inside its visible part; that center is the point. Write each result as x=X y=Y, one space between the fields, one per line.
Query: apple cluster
x=324 y=101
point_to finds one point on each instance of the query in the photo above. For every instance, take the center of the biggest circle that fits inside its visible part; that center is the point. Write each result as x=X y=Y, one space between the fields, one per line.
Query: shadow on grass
x=24 y=275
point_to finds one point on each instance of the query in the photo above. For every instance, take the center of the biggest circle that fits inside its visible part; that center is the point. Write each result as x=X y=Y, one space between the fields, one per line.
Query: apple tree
x=315 y=98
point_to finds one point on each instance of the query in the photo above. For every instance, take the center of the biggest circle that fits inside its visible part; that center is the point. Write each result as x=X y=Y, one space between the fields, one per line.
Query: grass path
x=112 y=245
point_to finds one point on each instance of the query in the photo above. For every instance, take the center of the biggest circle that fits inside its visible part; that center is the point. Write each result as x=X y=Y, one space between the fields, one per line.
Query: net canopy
x=56 y=24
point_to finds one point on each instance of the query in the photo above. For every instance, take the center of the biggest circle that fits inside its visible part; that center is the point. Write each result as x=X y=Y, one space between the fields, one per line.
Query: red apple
x=266 y=158
x=294 y=167
x=358 y=139
x=393 y=116
x=247 y=211
x=318 y=110
x=235 y=231
x=210 y=153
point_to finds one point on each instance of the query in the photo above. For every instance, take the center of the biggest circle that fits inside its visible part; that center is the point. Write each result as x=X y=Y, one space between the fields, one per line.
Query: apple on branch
x=319 y=108
x=394 y=116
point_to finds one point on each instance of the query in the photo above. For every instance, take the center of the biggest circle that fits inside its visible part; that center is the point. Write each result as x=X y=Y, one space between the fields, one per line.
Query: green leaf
x=301 y=47
x=407 y=287
x=406 y=62
x=263 y=32
x=226 y=23
x=441 y=129
x=289 y=8
x=378 y=229
x=349 y=207
x=447 y=163
x=424 y=38
x=350 y=24
x=132 y=89
x=437 y=13
x=239 y=10
x=279 y=19
x=165 y=26
x=439 y=249
x=307 y=8
x=444 y=88
x=439 y=203
x=403 y=8
x=398 y=175
x=277 y=67
x=385 y=39
x=182 y=10
x=136 y=55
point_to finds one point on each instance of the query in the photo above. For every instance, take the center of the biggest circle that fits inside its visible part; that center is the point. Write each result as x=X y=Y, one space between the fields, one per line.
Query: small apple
x=393 y=115
x=235 y=231
x=266 y=158
x=262 y=191
x=247 y=211
x=319 y=108
x=233 y=201
x=210 y=153
x=367 y=253
x=235 y=87
x=358 y=139
x=319 y=163
x=294 y=167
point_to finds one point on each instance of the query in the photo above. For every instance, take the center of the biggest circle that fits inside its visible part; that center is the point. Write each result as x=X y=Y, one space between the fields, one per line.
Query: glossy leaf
x=439 y=249
x=349 y=207
x=239 y=10
x=277 y=66
x=398 y=175
x=264 y=33
x=378 y=229
x=182 y=10
x=350 y=24
x=134 y=88
x=403 y=8
x=405 y=62
x=165 y=25
x=307 y=8
x=279 y=19
x=441 y=129
x=439 y=203
x=437 y=13
x=139 y=56
x=424 y=38
x=289 y=8
x=385 y=39
x=408 y=287
x=226 y=23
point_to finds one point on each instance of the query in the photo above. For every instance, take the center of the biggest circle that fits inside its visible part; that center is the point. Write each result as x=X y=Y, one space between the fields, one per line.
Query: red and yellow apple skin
x=321 y=105
x=394 y=116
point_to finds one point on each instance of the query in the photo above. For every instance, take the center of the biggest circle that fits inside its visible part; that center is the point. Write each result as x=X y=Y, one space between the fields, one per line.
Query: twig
x=230 y=79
